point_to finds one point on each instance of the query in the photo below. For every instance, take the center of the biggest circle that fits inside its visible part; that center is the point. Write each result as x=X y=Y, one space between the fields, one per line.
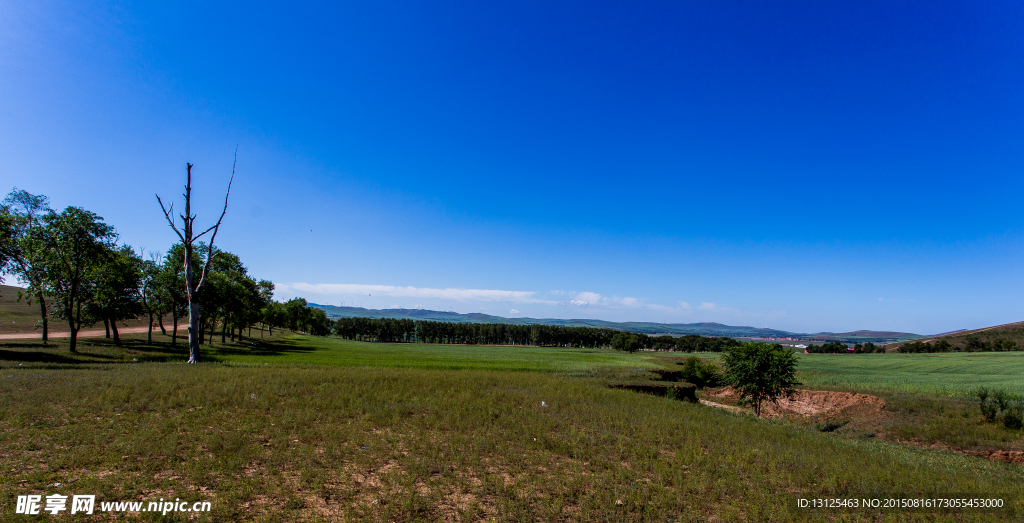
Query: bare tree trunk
x=106 y=327
x=174 y=333
x=42 y=311
x=192 y=286
x=113 y=327
x=193 y=329
x=160 y=319
x=149 y=333
x=73 y=341
x=223 y=331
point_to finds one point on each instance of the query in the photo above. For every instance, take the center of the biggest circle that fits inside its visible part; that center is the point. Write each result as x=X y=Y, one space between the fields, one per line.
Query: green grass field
x=943 y=374
x=297 y=428
x=310 y=350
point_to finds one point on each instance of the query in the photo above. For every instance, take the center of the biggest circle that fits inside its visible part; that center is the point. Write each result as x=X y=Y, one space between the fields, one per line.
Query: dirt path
x=81 y=334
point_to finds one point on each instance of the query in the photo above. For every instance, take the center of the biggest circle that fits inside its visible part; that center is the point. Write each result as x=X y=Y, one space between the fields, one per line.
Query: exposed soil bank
x=814 y=402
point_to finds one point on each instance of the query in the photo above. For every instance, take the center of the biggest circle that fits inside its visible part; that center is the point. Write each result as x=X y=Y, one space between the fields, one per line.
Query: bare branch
x=167 y=214
x=196 y=237
x=216 y=226
x=212 y=254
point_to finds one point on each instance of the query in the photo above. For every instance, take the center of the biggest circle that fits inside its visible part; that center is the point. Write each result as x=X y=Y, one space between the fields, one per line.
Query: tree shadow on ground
x=102 y=350
x=37 y=357
x=257 y=347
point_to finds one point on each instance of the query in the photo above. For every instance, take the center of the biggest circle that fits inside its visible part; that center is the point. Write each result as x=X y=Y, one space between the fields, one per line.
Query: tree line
x=971 y=344
x=391 y=330
x=75 y=271
x=835 y=347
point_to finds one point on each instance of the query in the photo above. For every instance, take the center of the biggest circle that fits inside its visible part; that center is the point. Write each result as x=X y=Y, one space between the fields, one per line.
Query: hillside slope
x=960 y=339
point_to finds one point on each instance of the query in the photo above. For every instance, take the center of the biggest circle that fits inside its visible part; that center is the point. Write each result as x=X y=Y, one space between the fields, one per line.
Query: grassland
x=16 y=316
x=940 y=374
x=309 y=350
x=295 y=428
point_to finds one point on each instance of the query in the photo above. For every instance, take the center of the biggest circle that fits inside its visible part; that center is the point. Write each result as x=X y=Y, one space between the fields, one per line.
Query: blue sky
x=807 y=166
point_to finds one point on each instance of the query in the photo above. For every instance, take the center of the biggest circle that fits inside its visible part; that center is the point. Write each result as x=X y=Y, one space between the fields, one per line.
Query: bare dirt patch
x=812 y=403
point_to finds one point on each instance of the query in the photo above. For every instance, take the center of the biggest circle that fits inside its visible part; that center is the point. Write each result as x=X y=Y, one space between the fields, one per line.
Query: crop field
x=298 y=428
x=942 y=374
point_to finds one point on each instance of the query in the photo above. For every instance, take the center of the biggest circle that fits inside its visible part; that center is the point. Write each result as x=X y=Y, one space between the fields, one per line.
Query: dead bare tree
x=193 y=284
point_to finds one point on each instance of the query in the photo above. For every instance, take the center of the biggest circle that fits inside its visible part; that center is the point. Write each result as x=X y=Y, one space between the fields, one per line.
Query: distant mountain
x=675 y=329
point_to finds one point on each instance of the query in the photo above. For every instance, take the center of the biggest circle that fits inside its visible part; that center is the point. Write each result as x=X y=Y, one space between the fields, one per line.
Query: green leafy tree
x=149 y=291
x=170 y=286
x=21 y=216
x=272 y=315
x=69 y=249
x=118 y=283
x=629 y=341
x=296 y=313
x=760 y=372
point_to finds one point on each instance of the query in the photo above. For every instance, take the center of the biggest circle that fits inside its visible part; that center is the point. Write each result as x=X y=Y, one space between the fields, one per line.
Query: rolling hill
x=959 y=339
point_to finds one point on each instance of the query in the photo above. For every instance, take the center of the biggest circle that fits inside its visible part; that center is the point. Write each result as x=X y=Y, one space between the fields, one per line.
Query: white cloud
x=714 y=307
x=584 y=299
x=629 y=302
x=416 y=292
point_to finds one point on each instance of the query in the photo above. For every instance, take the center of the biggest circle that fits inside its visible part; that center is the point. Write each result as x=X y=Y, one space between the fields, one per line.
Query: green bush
x=1013 y=418
x=701 y=373
x=998 y=402
x=989 y=409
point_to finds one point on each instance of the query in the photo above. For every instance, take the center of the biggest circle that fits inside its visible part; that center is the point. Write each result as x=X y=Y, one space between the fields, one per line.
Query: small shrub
x=700 y=373
x=1013 y=419
x=998 y=402
x=989 y=409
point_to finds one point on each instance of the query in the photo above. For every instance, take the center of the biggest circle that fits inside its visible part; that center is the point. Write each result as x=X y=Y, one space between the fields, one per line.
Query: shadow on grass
x=104 y=351
x=37 y=357
x=262 y=348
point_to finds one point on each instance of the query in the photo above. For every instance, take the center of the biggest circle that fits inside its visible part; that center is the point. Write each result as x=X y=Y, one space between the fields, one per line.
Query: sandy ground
x=813 y=402
x=81 y=334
